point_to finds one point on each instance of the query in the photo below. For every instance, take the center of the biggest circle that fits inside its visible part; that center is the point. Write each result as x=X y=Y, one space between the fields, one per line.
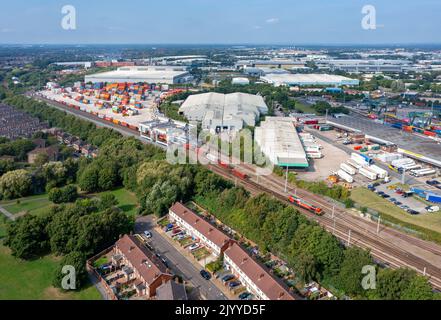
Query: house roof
x=143 y=260
x=171 y=291
x=204 y=227
x=257 y=274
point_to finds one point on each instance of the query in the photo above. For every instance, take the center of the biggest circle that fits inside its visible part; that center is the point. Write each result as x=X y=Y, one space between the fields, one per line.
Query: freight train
x=305 y=205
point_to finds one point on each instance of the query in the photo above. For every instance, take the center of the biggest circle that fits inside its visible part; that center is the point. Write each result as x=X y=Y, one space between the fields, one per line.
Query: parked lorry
x=354 y=164
x=381 y=173
x=368 y=174
x=345 y=176
x=347 y=168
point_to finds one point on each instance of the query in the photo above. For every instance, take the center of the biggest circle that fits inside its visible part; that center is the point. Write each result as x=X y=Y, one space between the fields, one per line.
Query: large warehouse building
x=147 y=74
x=278 y=139
x=309 y=80
x=224 y=112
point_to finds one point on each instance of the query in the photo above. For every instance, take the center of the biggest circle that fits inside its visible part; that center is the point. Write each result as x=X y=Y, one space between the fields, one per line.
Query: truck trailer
x=345 y=176
x=381 y=173
x=348 y=169
x=368 y=174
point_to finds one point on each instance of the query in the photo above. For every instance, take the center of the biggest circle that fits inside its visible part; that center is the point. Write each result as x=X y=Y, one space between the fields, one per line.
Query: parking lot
x=395 y=195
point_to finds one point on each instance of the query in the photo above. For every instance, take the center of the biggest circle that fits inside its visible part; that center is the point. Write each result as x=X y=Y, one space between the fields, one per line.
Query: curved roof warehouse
x=219 y=112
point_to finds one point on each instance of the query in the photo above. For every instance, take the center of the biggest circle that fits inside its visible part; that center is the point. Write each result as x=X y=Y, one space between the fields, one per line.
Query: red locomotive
x=305 y=205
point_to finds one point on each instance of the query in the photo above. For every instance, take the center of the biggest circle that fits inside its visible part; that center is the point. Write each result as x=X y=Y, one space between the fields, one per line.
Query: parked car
x=194 y=246
x=413 y=212
x=227 y=278
x=147 y=234
x=392 y=199
x=245 y=296
x=234 y=284
x=397 y=203
x=180 y=237
x=432 y=182
x=404 y=207
x=385 y=196
x=165 y=262
x=432 y=209
x=205 y=274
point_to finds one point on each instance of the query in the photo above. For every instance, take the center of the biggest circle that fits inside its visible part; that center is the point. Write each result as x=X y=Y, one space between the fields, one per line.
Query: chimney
x=131 y=248
x=281 y=294
x=261 y=276
x=244 y=260
x=210 y=230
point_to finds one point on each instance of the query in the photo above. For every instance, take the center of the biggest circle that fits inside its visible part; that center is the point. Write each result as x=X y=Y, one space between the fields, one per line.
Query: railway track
x=340 y=223
x=350 y=233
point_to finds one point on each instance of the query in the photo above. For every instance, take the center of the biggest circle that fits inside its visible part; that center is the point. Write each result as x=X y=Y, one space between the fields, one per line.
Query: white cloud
x=272 y=20
x=257 y=27
x=6 y=30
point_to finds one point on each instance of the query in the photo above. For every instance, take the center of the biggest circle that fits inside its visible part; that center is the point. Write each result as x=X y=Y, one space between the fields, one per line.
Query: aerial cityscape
x=236 y=162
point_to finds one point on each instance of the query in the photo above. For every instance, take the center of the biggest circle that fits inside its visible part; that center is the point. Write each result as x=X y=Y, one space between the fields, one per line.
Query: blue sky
x=221 y=22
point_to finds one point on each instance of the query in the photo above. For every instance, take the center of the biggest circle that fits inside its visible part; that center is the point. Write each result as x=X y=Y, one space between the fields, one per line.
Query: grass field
x=32 y=280
x=304 y=107
x=33 y=205
x=429 y=221
x=127 y=201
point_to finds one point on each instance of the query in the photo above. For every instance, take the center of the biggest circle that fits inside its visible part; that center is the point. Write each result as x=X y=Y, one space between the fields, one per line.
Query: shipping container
x=433 y=197
x=239 y=174
x=354 y=164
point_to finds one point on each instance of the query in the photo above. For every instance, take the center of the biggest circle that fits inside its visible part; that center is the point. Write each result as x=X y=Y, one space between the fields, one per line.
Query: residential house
x=51 y=152
x=254 y=276
x=140 y=266
x=198 y=227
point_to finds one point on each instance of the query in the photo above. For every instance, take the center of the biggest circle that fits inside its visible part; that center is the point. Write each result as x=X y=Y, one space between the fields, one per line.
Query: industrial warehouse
x=308 y=80
x=224 y=112
x=278 y=139
x=147 y=74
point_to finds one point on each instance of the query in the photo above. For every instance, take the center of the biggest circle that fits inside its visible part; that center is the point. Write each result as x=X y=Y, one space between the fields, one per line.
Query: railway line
x=354 y=233
x=388 y=246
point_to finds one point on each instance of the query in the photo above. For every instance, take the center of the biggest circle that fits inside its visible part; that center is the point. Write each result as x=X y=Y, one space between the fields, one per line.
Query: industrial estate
x=352 y=137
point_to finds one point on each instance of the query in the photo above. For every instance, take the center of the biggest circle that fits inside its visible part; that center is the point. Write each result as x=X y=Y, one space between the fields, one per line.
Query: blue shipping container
x=422 y=193
x=433 y=197
x=368 y=160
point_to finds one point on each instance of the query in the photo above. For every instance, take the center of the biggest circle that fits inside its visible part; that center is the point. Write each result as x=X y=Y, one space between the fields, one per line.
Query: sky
x=220 y=22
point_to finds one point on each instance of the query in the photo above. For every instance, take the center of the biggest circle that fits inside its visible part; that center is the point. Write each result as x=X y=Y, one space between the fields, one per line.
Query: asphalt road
x=177 y=262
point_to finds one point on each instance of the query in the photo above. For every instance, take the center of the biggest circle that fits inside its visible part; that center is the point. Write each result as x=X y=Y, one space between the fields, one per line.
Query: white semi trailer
x=381 y=173
x=345 y=176
x=368 y=174
x=348 y=169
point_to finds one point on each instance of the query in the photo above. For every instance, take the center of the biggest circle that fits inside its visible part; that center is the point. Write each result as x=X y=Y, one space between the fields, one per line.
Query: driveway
x=178 y=262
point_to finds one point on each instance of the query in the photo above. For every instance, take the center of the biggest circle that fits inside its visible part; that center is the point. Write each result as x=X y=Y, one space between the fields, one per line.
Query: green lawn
x=33 y=205
x=32 y=280
x=429 y=221
x=304 y=107
x=2 y=227
x=127 y=200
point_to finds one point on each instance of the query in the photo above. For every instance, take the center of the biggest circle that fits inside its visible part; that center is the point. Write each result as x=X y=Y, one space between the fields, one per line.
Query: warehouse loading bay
x=336 y=150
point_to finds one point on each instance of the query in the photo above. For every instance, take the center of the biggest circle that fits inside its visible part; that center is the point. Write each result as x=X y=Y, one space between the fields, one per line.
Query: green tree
x=15 y=184
x=26 y=237
x=78 y=261
x=392 y=283
x=418 y=289
x=350 y=275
